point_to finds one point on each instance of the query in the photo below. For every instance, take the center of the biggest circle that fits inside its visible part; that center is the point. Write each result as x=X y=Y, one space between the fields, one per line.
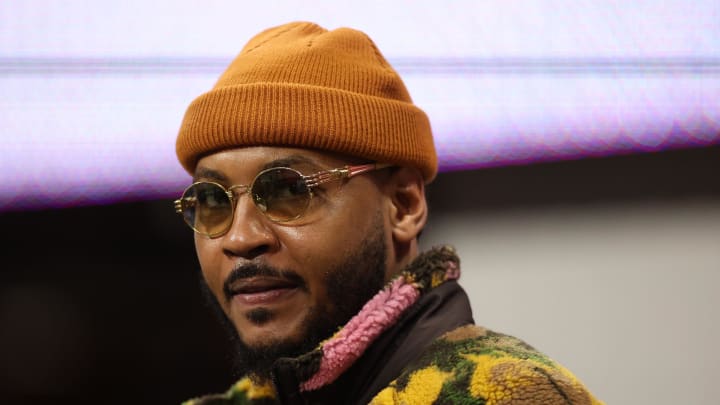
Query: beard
x=349 y=286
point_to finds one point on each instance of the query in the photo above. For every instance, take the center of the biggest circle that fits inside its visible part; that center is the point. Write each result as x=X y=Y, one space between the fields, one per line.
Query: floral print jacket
x=414 y=343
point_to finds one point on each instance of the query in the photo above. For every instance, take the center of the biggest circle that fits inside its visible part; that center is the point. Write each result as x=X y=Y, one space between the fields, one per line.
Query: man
x=309 y=162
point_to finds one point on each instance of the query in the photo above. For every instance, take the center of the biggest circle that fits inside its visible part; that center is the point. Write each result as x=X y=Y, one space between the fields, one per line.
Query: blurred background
x=579 y=144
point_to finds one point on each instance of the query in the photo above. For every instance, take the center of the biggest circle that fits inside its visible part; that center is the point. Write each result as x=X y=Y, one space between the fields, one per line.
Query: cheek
x=209 y=261
x=324 y=245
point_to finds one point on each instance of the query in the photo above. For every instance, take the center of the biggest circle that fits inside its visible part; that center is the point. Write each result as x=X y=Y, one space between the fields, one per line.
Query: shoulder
x=473 y=365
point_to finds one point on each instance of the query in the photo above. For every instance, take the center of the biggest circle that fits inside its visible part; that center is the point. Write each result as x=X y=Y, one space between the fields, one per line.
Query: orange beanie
x=300 y=85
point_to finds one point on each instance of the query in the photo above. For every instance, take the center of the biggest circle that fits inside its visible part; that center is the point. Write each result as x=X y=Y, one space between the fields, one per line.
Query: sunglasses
x=282 y=194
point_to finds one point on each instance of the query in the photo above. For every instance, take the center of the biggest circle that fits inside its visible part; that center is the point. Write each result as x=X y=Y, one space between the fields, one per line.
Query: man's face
x=287 y=286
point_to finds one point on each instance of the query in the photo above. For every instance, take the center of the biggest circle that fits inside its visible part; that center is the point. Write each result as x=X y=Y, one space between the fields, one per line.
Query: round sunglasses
x=282 y=194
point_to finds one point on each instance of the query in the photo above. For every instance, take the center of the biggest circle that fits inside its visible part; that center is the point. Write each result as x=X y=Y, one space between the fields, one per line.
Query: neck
x=401 y=257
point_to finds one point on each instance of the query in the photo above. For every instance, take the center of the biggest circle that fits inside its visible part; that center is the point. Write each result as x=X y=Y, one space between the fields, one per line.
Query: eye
x=260 y=203
x=212 y=197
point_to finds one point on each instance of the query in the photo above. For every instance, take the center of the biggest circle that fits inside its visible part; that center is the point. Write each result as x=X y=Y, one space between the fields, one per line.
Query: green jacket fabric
x=414 y=343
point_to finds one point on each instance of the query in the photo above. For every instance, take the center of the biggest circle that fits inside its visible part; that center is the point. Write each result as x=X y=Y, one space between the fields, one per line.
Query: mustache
x=250 y=270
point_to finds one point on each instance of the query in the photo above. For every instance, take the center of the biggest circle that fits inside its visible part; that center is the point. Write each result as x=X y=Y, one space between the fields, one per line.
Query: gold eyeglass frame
x=311 y=181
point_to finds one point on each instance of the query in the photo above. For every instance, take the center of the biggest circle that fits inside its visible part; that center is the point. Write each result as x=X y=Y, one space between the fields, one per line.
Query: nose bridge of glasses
x=233 y=194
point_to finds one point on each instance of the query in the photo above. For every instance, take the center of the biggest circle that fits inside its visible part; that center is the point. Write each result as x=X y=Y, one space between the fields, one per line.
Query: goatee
x=349 y=286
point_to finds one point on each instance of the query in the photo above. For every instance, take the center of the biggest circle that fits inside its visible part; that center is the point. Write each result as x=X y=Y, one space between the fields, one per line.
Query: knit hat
x=300 y=85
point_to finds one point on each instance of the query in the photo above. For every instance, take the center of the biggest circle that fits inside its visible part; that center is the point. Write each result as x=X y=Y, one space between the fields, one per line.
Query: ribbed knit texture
x=300 y=85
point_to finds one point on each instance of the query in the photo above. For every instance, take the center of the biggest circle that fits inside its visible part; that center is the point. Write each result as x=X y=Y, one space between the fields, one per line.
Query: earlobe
x=408 y=205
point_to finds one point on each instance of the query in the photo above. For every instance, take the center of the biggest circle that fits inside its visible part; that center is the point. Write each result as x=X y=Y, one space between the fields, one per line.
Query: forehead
x=248 y=161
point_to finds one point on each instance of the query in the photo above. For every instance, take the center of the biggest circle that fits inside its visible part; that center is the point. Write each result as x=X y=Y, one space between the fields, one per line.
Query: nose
x=250 y=234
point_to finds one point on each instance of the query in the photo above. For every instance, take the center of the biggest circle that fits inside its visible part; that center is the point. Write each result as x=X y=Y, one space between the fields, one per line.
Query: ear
x=408 y=208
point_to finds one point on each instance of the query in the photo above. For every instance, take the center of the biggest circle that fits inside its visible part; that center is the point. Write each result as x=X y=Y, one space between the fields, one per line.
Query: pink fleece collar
x=382 y=311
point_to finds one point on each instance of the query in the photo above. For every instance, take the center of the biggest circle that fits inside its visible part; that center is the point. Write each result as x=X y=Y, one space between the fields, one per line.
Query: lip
x=262 y=291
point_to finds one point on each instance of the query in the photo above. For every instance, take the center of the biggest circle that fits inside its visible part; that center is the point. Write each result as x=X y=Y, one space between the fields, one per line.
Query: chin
x=263 y=330
x=265 y=338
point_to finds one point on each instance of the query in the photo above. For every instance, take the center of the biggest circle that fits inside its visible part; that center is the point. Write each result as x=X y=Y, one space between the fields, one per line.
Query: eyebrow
x=210 y=174
x=290 y=161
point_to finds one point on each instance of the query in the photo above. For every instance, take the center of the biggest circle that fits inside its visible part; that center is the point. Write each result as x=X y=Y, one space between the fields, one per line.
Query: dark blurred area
x=101 y=304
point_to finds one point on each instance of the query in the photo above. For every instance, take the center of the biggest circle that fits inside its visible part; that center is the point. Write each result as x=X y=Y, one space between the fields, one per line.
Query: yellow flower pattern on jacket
x=471 y=365
x=422 y=389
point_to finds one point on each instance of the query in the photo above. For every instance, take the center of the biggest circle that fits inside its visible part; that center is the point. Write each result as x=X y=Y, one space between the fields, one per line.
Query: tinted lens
x=281 y=193
x=207 y=208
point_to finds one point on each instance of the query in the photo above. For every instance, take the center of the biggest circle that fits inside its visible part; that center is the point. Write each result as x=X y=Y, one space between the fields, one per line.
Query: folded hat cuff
x=305 y=116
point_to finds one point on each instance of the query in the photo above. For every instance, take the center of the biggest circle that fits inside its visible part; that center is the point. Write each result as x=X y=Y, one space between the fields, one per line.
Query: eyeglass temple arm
x=342 y=173
x=180 y=203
